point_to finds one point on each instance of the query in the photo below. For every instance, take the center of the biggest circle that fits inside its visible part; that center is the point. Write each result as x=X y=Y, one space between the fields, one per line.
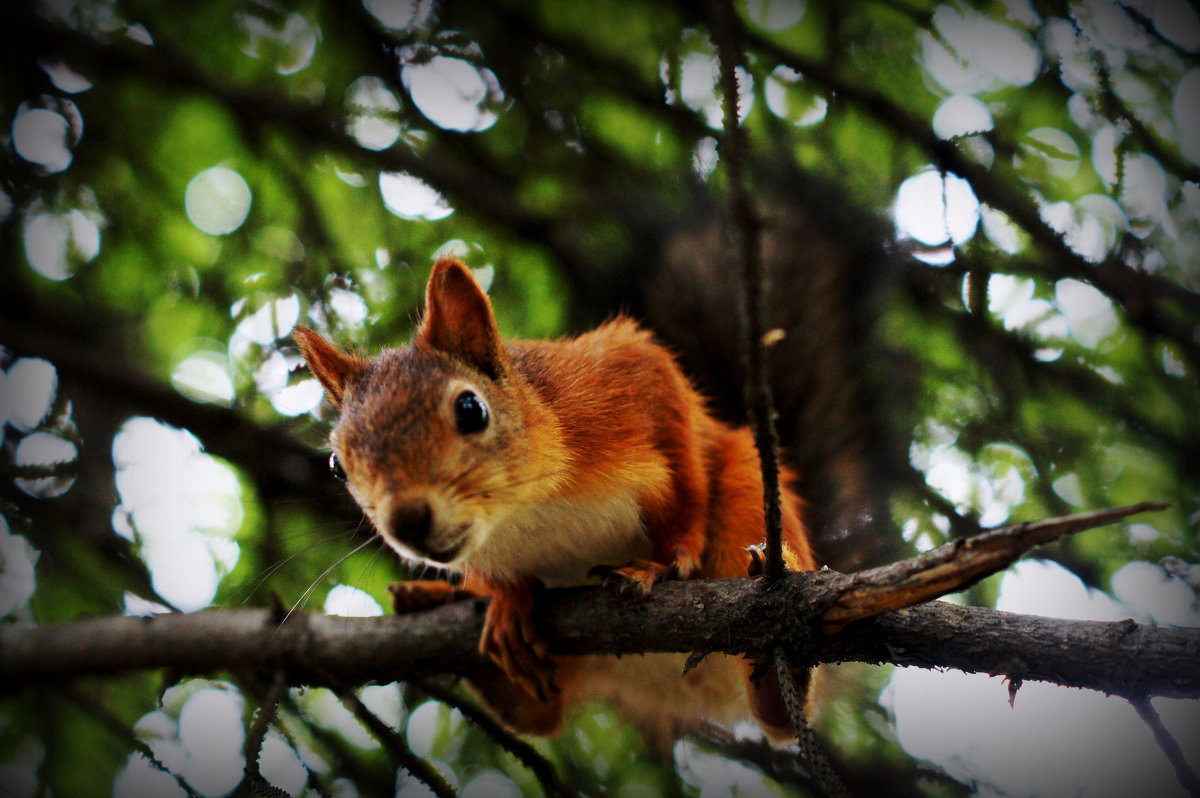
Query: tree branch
x=1141 y=294
x=290 y=473
x=732 y=615
x=958 y=564
x=122 y=733
x=1169 y=745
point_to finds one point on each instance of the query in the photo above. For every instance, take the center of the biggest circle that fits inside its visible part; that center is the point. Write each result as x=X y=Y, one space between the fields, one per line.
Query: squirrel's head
x=440 y=440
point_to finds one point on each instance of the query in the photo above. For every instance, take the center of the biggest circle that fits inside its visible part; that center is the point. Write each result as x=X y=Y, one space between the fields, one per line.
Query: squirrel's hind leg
x=515 y=707
x=766 y=696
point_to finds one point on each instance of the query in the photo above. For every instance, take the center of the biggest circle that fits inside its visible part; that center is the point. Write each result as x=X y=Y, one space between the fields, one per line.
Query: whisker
x=274 y=568
x=362 y=573
x=313 y=586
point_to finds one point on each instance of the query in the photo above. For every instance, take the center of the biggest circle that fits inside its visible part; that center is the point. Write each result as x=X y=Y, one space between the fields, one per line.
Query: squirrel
x=546 y=463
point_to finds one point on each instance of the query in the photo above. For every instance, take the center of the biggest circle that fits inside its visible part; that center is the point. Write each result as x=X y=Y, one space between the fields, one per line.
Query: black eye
x=470 y=413
x=335 y=468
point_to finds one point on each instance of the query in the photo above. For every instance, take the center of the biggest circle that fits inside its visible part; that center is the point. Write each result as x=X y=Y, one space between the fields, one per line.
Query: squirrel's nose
x=410 y=522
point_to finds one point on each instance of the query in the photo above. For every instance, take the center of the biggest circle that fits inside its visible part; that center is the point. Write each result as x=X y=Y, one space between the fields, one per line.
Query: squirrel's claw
x=510 y=640
x=423 y=594
x=636 y=578
x=757 y=555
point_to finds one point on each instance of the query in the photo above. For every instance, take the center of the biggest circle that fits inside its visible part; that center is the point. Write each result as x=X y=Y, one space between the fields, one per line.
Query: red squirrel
x=526 y=462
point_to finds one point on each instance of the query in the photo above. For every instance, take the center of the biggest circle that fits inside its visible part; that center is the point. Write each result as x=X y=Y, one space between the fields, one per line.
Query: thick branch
x=733 y=615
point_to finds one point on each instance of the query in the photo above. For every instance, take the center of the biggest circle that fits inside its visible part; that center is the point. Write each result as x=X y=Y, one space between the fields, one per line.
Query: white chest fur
x=559 y=541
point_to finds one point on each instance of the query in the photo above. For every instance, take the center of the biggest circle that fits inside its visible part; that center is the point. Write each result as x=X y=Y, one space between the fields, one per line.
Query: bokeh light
x=184 y=507
x=399 y=14
x=938 y=210
x=776 y=14
x=217 y=200
x=31 y=385
x=56 y=244
x=374 y=113
x=45 y=450
x=453 y=94
x=17 y=576
x=289 y=40
x=411 y=198
x=961 y=115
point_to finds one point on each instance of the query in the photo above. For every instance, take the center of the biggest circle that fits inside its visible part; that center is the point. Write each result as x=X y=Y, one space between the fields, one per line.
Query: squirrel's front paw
x=635 y=578
x=510 y=640
x=638 y=577
x=423 y=594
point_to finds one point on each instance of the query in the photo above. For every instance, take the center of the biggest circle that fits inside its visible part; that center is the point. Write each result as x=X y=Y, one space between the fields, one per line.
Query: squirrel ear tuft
x=458 y=319
x=332 y=367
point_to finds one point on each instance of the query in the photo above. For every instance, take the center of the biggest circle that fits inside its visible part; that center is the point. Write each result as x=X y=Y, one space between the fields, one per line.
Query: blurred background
x=981 y=227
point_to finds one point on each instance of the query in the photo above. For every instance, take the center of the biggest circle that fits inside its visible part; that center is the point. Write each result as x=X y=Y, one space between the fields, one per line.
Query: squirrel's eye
x=470 y=413
x=335 y=468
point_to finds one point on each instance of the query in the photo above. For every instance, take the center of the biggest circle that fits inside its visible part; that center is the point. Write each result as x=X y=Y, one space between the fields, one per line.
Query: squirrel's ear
x=458 y=319
x=332 y=367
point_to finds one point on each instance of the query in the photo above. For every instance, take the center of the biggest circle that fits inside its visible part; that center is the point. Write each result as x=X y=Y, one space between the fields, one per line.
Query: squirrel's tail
x=838 y=390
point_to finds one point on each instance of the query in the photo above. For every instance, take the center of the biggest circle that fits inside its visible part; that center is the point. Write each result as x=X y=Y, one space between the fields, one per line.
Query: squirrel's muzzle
x=410 y=522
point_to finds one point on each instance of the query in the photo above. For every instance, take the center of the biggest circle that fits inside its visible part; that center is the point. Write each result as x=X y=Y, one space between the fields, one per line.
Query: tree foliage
x=980 y=224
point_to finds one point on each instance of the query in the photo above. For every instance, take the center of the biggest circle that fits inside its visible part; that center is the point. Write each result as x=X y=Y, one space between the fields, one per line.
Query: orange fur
x=597 y=452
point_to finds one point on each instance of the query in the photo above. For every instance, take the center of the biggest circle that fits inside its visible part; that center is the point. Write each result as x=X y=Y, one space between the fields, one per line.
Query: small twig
x=812 y=752
x=395 y=744
x=252 y=777
x=746 y=225
x=314 y=781
x=774 y=761
x=370 y=781
x=1113 y=276
x=905 y=779
x=525 y=753
x=958 y=564
x=120 y=730
x=1167 y=742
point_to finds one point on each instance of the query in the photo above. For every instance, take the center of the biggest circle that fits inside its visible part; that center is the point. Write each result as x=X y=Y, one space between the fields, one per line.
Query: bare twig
x=525 y=753
x=121 y=731
x=395 y=744
x=746 y=225
x=252 y=775
x=863 y=775
x=314 y=781
x=958 y=564
x=1144 y=295
x=1167 y=742
x=371 y=779
x=717 y=615
x=811 y=750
